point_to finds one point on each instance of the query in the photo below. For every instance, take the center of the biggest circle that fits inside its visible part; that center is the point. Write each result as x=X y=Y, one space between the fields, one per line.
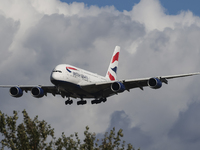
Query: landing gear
x=98 y=101
x=95 y=101
x=82 y=102
x=68 y=102
x=103 y=100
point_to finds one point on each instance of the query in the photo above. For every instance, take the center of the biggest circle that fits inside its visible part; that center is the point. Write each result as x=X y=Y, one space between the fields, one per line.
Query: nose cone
x=56 y=77
x=57 y=74
x=53 y=76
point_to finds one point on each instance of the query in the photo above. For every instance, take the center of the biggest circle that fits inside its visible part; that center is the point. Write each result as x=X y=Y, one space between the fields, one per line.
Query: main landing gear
x=98 y=101
x=82 y=102
x=68 y=102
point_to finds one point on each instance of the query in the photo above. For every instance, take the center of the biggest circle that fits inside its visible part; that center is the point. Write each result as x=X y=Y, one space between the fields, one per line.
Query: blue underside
x=64 y=83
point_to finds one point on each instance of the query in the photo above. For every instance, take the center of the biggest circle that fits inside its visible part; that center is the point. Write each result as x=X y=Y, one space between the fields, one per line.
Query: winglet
x=112 y=69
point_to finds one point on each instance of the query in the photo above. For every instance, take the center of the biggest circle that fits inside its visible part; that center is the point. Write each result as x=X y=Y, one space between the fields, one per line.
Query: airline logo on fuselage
x=76 y=74
x=70 y=68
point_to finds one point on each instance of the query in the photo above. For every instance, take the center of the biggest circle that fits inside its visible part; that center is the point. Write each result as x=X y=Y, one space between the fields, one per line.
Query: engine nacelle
x=16 y=91
x=154 y=83
x=37 y=92
x=117 y=87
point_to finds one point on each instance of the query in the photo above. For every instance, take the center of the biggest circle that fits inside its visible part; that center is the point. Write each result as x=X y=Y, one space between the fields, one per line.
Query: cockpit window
x=57 y=71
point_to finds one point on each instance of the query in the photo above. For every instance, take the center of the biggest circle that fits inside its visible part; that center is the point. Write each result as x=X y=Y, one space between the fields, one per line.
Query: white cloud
x=153 y=16
x=37 y=35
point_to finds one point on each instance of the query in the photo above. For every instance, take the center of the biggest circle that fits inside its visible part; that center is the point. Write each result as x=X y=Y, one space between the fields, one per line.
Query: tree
x=38 y=135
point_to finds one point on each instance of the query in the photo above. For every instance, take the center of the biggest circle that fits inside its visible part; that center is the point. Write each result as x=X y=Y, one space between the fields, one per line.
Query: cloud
x=37 y=35
x=120 y=120
x=8 y=30
x=186 y=126
x=153 y=16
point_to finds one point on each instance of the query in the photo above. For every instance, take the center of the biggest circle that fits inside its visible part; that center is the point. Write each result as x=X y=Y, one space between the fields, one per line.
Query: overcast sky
x=37 y=35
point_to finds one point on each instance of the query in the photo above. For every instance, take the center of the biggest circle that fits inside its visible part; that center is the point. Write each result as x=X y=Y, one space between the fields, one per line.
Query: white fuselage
x=74 y=75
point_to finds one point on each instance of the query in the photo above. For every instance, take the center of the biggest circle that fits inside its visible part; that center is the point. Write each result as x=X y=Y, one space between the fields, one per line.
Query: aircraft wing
x=26 y=88
x=180 y=75
x=104 y=88
x=97 y=89
x=140 y=83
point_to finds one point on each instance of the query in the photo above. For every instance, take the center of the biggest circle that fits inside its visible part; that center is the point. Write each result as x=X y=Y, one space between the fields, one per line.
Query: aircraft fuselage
x=69 y=79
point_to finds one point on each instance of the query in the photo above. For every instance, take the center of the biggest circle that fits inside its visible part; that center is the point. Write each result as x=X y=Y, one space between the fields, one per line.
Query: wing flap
x=136 y=83
x=93 y=88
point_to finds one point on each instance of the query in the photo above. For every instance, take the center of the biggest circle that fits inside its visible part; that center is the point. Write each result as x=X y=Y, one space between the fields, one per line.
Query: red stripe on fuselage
x=71 y=68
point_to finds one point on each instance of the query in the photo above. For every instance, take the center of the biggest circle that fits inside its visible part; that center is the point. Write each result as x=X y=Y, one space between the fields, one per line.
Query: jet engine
x=37 y=92
x=117 y=87
x=154 y=83
x=16 y=91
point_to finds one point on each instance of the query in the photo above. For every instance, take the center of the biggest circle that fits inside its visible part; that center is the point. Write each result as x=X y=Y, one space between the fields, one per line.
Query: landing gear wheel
x=71 y=102
x=68 y=102
x=82 y=102
x=104 y=100
x=98 y=101
x=94 y=102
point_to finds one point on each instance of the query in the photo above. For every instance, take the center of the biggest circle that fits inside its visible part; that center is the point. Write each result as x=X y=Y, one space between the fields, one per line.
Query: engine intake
x=37 y=92
x=117 y=87
x=16 y=91
x=154 y=83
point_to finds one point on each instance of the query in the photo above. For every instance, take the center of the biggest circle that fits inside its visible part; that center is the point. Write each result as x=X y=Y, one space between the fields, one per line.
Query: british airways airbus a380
x=73 y=82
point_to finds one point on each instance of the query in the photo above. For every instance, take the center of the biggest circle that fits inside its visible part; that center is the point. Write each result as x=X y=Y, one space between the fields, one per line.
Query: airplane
x=72 y=82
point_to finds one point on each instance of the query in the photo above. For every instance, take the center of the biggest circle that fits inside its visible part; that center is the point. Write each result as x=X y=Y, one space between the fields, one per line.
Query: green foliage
x=38 y=135
x=31 y=134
